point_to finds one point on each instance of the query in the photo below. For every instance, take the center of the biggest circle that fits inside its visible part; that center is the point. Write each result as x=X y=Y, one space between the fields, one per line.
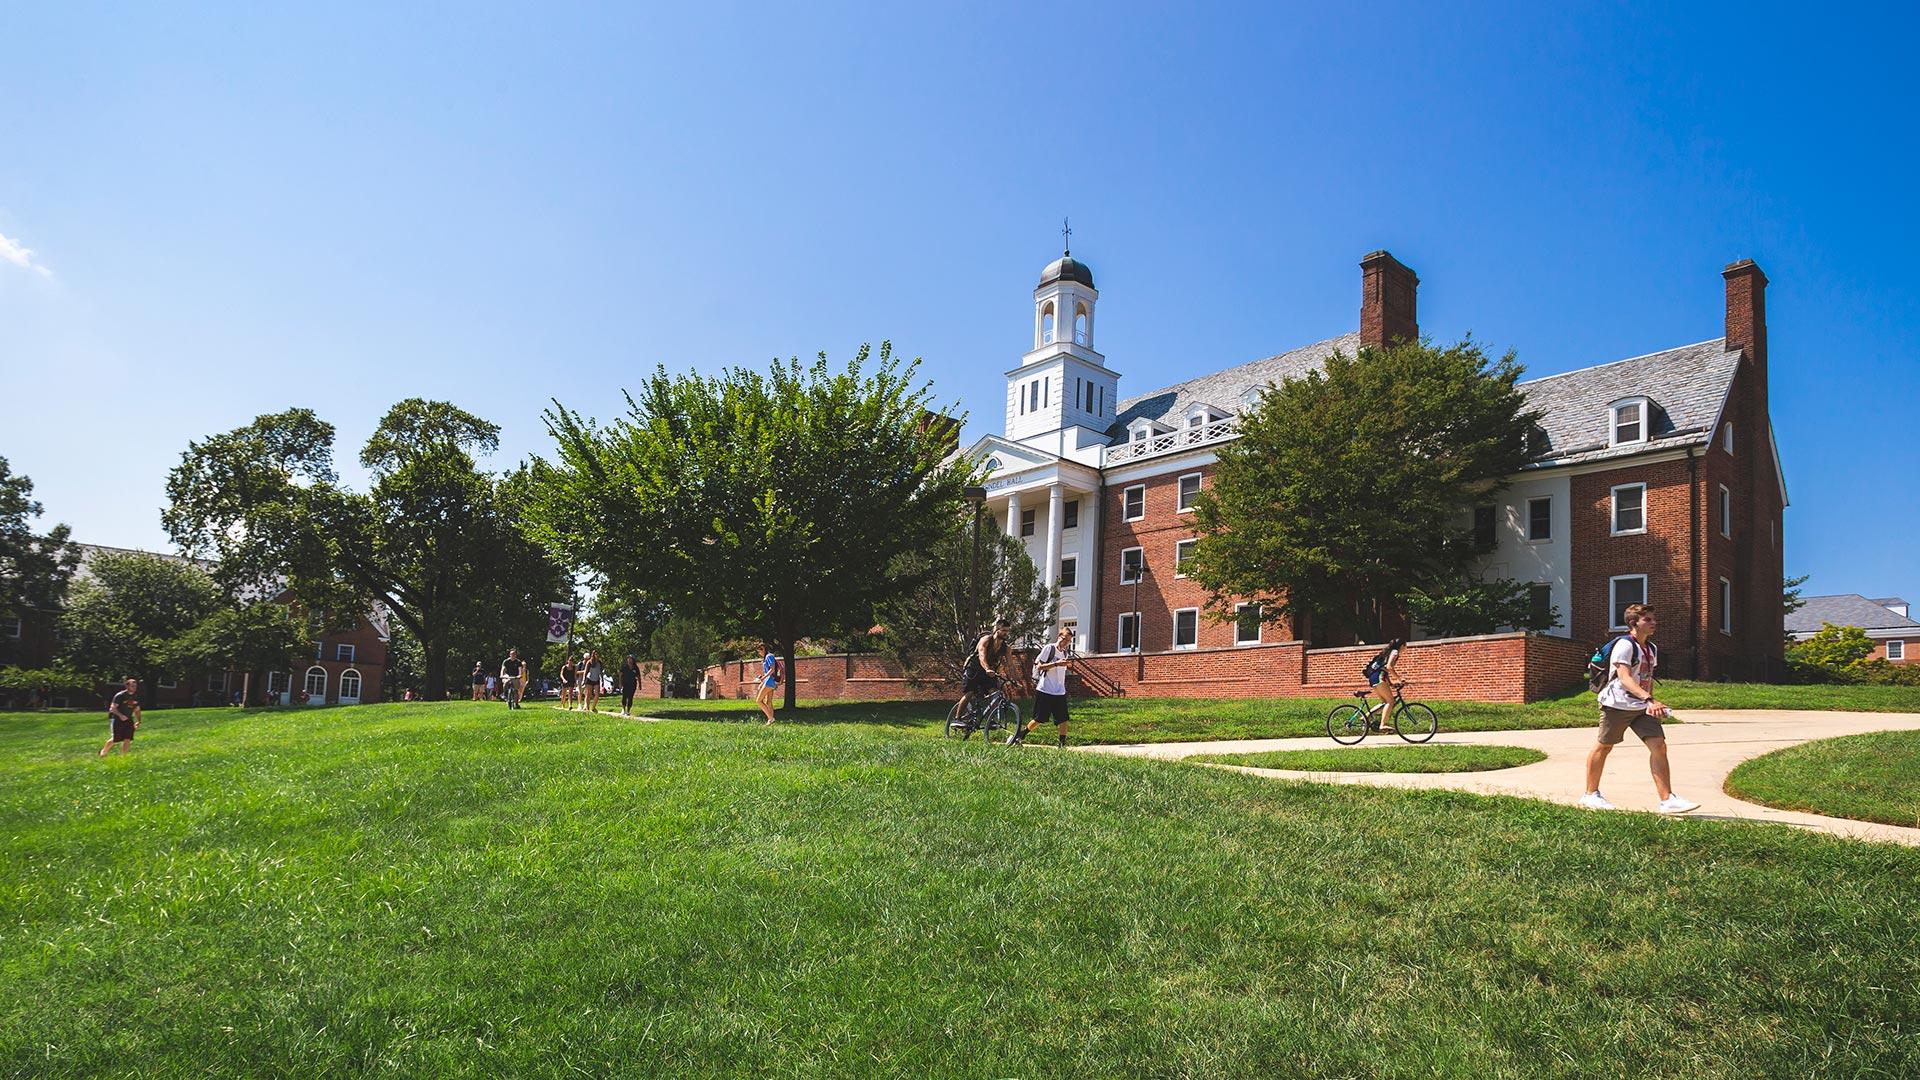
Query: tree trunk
x=434 y=653
x=786 y=652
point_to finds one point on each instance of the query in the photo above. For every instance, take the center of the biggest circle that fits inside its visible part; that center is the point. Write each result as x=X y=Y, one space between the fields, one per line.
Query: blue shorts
x=1373 y=678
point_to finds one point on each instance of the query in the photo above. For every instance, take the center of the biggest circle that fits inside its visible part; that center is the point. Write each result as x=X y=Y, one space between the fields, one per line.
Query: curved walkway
x=1703 y=750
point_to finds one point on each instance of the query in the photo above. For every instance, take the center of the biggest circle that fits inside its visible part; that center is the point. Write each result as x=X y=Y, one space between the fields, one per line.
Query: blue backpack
x=1599 y=672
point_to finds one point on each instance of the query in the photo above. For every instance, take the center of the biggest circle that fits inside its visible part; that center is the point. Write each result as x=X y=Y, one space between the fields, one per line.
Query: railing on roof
x=1185 y=438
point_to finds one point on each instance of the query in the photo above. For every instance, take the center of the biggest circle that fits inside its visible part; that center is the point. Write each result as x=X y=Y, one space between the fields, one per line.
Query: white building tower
x=1061 y=398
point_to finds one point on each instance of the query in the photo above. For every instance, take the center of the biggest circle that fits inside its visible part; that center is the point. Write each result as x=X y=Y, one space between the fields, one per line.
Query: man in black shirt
x=511 y=682
x=123 y=715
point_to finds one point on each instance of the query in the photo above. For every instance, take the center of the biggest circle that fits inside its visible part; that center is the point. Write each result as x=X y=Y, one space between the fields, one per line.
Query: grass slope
x=1397 y=759
x=1869 y=777
x=460 y=890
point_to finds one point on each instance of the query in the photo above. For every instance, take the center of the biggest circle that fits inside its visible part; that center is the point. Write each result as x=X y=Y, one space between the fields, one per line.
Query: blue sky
x=234 y=211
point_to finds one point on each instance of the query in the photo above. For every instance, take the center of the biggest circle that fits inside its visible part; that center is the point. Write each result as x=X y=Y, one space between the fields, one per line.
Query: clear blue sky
x=231 y=212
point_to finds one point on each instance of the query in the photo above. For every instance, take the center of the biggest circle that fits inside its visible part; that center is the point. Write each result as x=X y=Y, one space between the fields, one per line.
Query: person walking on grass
x=1049 y=687
x=1627 y=701
x=479 y=680
x=629 y=683
x=567 y=679
x=591 y=676
x=769 y=680
x=123 y=716
x=512 y=678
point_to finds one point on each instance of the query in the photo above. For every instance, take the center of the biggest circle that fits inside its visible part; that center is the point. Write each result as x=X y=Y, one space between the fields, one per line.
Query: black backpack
x=1378 y=664
x=1599 y=672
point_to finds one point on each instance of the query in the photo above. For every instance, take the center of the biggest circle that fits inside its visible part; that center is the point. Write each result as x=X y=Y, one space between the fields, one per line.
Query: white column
x=1051 y=572
x=1013 y=514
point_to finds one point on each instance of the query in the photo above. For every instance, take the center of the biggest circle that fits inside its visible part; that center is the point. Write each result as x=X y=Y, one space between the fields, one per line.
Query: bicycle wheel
x=1415 y=722
x=1347 y=724
x=1005 y=717
x=959 y=724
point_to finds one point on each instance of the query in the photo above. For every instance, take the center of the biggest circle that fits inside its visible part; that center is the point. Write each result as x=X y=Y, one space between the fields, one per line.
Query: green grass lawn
x=1403 y=759
x=1147 y=720
x=457 y=889
x=1870 y=777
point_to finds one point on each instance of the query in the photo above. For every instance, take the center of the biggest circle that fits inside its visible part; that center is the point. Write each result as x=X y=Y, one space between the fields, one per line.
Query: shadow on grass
x=925 y=715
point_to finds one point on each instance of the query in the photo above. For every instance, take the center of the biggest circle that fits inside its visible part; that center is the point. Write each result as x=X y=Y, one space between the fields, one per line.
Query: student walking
x=769 y=680
x=568 y=676
x=1049 y=687
x=592 y=677
x=479 y=680
x=1627 y=701
x=629 y=683
x=123 y=716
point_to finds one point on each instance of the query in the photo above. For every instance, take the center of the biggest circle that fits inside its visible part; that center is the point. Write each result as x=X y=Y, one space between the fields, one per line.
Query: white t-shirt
x=1614 y=695
x=1051 y=680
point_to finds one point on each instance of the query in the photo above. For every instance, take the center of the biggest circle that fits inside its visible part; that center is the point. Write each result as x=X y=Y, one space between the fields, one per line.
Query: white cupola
x=1062 y=397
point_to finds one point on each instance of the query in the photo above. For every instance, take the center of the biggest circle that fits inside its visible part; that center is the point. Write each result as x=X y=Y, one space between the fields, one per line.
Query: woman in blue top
x=769 y=678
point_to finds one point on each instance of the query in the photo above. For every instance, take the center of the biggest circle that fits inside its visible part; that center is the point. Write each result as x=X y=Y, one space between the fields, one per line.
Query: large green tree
x=963 y=585
x=434 y=538
x=1351 y=487
x=767 y=504
x=125 y=614
x=248 y=638
x=34 y=567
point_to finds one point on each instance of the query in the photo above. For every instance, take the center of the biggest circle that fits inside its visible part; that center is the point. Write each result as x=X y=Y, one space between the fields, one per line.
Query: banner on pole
x=559 y=621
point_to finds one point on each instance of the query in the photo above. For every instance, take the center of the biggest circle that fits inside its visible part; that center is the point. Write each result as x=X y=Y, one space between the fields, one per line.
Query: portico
x=1049 y=505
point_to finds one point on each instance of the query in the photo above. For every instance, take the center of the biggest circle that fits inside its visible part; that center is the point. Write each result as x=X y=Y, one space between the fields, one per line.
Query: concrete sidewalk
x=1702 y=751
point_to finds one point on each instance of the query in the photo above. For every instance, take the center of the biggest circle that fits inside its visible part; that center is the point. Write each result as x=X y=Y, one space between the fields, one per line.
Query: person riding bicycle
x=511 y=679
x=984 y=664
x=1382 y=678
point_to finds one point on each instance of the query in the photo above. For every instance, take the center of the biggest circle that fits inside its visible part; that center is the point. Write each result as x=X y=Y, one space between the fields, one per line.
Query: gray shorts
x=1615 y=722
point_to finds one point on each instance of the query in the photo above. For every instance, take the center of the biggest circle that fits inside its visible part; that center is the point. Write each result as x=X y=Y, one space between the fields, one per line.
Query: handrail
x=1180 y=439
x=1093 y=677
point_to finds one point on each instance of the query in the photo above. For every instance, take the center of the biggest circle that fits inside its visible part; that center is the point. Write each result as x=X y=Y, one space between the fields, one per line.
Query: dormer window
x=1140 y=433
x=1629 y=422
x=1249 y=400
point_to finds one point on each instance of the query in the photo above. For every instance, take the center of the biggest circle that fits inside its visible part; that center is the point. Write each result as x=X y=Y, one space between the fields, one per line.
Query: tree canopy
x=34 y=568
x=434 y=538
x=955 y=600
x=125 y=615
x=767 y=504
x=1352 y=486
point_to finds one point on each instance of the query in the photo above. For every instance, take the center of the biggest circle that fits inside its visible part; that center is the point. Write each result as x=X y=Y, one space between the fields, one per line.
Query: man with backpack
x=1049 y=687
x=1625 y=685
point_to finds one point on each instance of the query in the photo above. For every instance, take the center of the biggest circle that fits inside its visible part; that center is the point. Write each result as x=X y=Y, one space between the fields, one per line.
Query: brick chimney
x=1747 y=321
x=1387 y=290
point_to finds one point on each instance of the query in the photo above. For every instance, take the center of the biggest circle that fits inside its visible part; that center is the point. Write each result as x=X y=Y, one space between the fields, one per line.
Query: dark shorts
x=122 y=729
x=1049 y=708
x=1614 y=724
x=1373 y=678
x=979 y=682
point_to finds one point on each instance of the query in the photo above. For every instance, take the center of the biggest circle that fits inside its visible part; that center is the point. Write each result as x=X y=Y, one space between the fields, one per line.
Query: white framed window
x=1069 y=571
x=1186 y=627
x=1540 y=601
x=167 y=682
x=1140 y=433
x=1246 y=623
x=350 y=687
x=319 y=649
x=1070 y=514
x=1726 y=606
x=10 y=628
x=1189 y=491
x=1726 y=436
x=1540 y=519
x=1128 y=632
x=1628 y=422
x=278 y=683
x=1026 y=522
x=1629 y=509
x=315 y=684
x=1182 y=551
x=1896 y=649
x=343 y=653
x=1621 y=591
x=1726 y=512
x=217 y=682
x=1132 y=565
x=1133 y=503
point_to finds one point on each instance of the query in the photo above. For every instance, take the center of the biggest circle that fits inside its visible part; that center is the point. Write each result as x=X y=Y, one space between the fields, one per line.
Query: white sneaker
x=1593 y=800
x=1674 y=804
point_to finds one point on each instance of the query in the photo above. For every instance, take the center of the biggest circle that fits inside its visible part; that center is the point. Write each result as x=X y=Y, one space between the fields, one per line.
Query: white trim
x=12 y=627
x=1613 y=598
x=1779 y=473
x=1070 y=508
x=1180 y=503
x=1726 y=607
x=1061 y=574
x=1901 y=644
x=1726 y=437
x=1124 y=493
x=1029 y=521
x=352 y=653
x=222 y=676
x=1195 y=612
x=1119 y=634
x=1177 y=545
x=1258 y=627
x=1726 y=512
x=1528 y=527
x=1645 y=408
x=1124 y=579
x=359 y=684
x=306 y=682
x=166 y=682
x=1613 y=509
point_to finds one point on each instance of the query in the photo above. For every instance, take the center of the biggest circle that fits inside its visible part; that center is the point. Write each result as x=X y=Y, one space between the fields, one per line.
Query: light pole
x=1139 y=627
x=978 y=497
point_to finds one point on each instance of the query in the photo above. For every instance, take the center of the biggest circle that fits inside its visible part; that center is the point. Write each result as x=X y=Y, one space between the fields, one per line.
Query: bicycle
x=1412 y=720
x=995 y=712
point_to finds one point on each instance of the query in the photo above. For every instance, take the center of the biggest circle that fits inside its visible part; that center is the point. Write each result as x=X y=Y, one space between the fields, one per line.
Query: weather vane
x=1066 y=237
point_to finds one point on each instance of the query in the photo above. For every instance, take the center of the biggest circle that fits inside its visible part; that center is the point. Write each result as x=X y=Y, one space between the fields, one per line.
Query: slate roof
x=1847 y=609
x=1685 y=386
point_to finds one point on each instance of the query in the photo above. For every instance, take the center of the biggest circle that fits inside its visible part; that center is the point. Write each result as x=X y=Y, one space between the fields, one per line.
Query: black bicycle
x=1411 y=720
x=994 y=712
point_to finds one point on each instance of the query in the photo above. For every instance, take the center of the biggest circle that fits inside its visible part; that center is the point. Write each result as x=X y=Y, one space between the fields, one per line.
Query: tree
x=685 y=648
x=1351 y=487
x=123 y=617
x=34 y=570
x=1473 y=606
x=1834 y=652
x=1790 y=598
x=254 y=638
x=768 y=505
x=935 y=624
x=435 y=538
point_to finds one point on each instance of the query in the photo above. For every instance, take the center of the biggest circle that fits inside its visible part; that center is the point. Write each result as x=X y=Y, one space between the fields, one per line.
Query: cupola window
x=1629 y=422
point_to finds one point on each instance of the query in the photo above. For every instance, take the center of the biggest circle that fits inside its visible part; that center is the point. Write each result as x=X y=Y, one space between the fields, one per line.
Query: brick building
x=1655 y=478
x=347 y=668
x=1887 y=620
